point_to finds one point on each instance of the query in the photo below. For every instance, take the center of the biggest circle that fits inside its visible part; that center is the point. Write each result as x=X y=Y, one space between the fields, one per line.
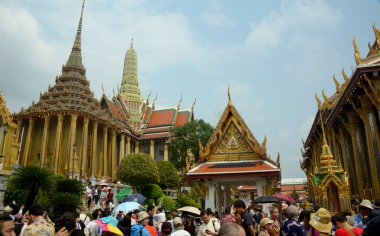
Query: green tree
x=168 y=174
x=152 y=191
x=137 y=170
x=31 y=179
x=187 y=138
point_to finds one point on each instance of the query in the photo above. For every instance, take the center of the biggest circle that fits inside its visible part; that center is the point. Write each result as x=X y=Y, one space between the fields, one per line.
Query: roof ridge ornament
x=337 y=84
x=357 y=52
x=377 y=34
x=345 y=76
x=229 y=96
x=179 y=102
x=132 y=42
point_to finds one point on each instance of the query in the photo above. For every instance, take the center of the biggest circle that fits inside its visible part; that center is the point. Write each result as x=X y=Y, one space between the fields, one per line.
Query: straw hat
x=142 y=215
x=177 y=221
x=265 y=221
x=321 y=221
x=366 y=203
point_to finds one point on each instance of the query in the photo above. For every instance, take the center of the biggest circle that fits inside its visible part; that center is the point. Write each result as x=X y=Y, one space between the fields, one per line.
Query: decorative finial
x=264 y=144
x=229 y=96
x=154 y=102
x=357 y=53
x=147 y=98
x=324 y=96
x=377 y=34
x=278 y=160
x=318 y=102
x=179 y=102
x=132 y=42
x=337 y=85
x=104 y=92
x=113 y=91
x=195 y=101
x=345 y=76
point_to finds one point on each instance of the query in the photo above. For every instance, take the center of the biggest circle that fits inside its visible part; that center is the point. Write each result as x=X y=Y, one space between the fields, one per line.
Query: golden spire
x=345 y=76
x=377 y=34
x=75 y=58
x=132 y=42
x=357 y=53
x=104 y=92
x=229 y=96
x=278 y=160
x=337 y=85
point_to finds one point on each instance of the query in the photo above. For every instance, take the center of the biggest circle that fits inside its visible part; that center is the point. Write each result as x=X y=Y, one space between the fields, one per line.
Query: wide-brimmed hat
x=177 y=221
x=142 y=215
x=366 y=203
x=265 y=221
x=321 y=221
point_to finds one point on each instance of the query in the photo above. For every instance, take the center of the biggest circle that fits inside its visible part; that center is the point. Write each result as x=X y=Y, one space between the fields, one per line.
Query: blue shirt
x=292 y=228
x=137 y=228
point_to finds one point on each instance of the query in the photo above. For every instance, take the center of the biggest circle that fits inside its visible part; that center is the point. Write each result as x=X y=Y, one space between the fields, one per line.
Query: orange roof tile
x=233 y=168
x=162 y=117
x=182 y=118
x=114 y=109
x=155 y=135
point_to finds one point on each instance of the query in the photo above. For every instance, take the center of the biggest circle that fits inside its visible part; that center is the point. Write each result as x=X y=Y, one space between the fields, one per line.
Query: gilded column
x=366 y=112
x=73 y=132
x=122 y=147
x=84 y=147
x=353 y=121
x=94 y=148
x=166 y=152
x=128 y=145
x=343 y=144
x=105 y=141
x=28 y=141
x=114 y=155
x=151 y=148
x=137 y=147
x=58 y=139
x=18 y=131
x=44 y=141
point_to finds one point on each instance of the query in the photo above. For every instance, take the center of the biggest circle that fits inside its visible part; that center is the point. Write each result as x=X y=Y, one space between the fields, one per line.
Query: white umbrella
x=190 y=209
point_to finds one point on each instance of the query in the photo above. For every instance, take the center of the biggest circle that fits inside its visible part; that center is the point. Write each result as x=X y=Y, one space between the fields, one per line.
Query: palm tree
x=32 y=179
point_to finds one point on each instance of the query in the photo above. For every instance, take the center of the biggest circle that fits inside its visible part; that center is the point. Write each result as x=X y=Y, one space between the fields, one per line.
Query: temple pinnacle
x=75 y=58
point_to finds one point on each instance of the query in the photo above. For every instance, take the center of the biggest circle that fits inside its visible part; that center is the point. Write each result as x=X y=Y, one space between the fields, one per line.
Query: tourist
x=358 y=218
x=373 y=224
x=343 y=228
x=274 y=213
x=291 y=226
x=166 y=229
x=151 y=209
x=96 y=214
x=125 y=224
x=179 y=229
x=103 y=197
x=139 y=228
x=8 y=211
x=109 y=196
x=243 y=218
x=228 y=218
x=68 y=221
x=6 y=225
x=266 y=227
x=320 y=223
x=83 y=216
x=208 y=227
x=89 y=195
x=231 y=229
x=39 y=226
x=306 y=225
x=365 y=209
x=96 y=195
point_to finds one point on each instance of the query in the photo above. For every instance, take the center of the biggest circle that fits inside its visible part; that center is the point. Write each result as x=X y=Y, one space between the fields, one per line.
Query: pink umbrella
x=284 y=197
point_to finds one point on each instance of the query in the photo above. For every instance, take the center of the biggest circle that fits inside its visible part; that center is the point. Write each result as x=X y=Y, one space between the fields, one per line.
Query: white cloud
x=296 y=19
x=215 y=19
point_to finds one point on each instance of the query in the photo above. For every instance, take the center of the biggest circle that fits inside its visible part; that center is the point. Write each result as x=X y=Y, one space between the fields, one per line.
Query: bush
x=184 y=200
x=168 y=204
x=152 y=191
x=149 y=201
x=168 y=174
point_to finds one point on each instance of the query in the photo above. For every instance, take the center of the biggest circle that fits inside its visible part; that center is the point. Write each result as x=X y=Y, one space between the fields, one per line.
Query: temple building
x=234 y=157
x=341 y=155
x=71 y=132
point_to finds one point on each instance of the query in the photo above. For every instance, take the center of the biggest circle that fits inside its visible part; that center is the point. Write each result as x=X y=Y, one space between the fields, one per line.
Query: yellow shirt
x=40 y=228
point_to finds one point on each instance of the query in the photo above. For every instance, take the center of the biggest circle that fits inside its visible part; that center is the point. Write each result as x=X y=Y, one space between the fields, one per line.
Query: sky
x=275 y=55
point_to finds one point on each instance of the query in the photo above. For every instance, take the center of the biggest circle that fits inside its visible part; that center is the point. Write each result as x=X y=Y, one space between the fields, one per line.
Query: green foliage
x=149 y=201
x=188 y=137
x=168 y=204
x=152 y=191
x=184 y=200
x=31 y=179
x=137 y=170
x=168 y=174
x=67 y=185
x=64 y=202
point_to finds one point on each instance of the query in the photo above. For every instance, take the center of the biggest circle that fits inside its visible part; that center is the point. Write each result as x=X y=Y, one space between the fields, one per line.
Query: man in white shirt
x=210 y=227
x=179 y=228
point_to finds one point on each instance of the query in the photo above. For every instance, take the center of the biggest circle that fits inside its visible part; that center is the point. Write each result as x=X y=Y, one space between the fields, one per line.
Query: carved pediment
x=233 y=141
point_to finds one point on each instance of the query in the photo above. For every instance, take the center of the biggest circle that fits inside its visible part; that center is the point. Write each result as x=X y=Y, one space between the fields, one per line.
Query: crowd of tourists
x=238 y=220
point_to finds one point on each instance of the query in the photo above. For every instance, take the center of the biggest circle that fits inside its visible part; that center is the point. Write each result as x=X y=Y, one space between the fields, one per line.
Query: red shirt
x=151 y=230
x=344 y=232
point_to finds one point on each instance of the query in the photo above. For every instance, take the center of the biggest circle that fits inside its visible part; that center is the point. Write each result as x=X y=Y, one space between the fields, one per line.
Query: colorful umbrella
x=284 y=197
x=127 y=207
x=123 y=193
x=266 y=199
x=136 y=197
x=107 y=224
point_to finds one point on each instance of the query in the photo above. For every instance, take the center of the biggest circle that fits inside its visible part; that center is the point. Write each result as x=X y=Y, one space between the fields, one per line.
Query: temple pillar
x=137 y=147
x=210 y=198
x=367 y=110
x=83 y=160
x=260 y=187
x=113 y=155
x=353 y=122
x=217 y=197
x=151 y=151
x=105 y=141
x=343 y=145
x=94 y=148
x=225 y=203
x=128 y=145
x=166 y=152
x=122 y=147
x=28 y=141
x=44 y=141
x=73 y=132
x=57 y=144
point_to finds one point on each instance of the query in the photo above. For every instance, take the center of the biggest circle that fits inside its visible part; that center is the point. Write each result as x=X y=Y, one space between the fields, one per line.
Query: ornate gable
x=232 y=140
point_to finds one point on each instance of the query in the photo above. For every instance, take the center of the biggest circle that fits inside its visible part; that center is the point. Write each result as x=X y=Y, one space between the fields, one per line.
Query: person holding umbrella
x=139 y=228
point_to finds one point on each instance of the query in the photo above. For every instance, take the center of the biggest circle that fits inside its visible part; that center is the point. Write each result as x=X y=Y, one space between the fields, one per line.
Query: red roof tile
x=155 y=135
x=162 y=117
x=114 y=109
x=182 y=118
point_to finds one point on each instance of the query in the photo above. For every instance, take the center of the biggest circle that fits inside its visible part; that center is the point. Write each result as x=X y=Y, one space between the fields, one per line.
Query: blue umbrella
x=127 y=207
x=136 y=197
